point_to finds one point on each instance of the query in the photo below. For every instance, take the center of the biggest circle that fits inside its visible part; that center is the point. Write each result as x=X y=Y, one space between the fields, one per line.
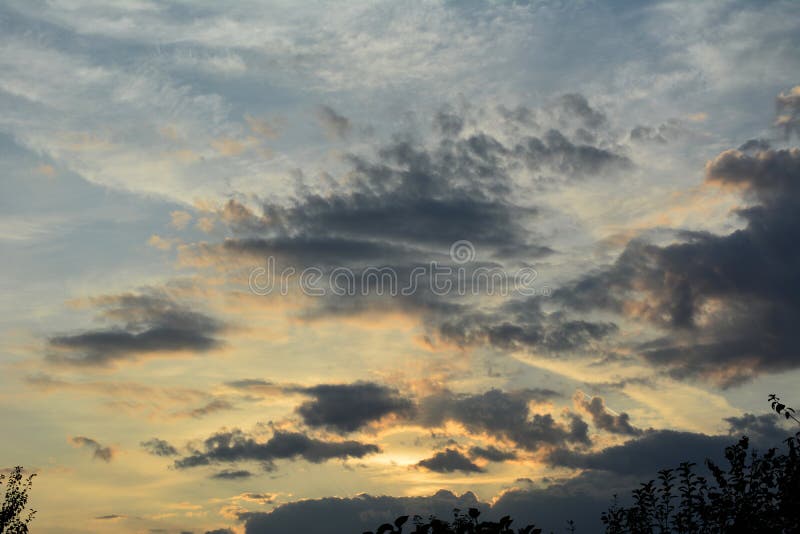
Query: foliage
x=462 y=524
x=13 y=516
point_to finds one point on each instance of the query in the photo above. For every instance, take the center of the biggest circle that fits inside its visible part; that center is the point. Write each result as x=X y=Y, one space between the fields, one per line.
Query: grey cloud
x=159 y=447
x=448 y=461
x=356 y=514
x=524 y=324
x=660 y=449
x=336 y=126
x=448 y=123
x=603 y=418
x=99 y=451
x=766 y=430
x=502 y=414
x=348 y=407
x=145 y=323
x=492 y=453
x=558 y=153
x=216 y=405
x=754 y=145
x=644 y=456
x=583 y=499
x=229 y=474
x=575 y=104
x=237 y=446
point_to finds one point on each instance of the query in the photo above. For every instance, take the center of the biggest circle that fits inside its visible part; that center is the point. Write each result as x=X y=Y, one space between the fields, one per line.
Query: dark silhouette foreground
x=13 y=516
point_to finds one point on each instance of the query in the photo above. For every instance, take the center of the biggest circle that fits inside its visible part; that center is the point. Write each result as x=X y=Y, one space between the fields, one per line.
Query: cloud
x=504 y=415
x=660 y=449
x=448 y=461
x=159 y=447
x=523 y=324
x=110 y=517
x=214 y=406
x=575 y=104
x=228 y=474
x=448 y=123
x=603 y=418
x=556 y=152
x=180 y=219
x=348 y=407
x=582 y=499
x=237 y=446
x=766 y=430
x=336 y=126
x=788 y=105
x=356 y=514
x=727 y=303
x=262 y=127
x=147 y=324
x=99 y=452
x=492 y=453
x=663 y=133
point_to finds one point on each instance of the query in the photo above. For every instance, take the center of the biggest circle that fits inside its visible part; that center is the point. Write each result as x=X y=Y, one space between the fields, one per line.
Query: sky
x=300 y=265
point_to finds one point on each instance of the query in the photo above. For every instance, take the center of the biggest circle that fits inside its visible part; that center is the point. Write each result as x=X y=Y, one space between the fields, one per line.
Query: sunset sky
x=629 y=169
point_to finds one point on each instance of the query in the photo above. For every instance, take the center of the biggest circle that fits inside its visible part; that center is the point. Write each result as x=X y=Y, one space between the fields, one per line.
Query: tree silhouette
x=13 y=517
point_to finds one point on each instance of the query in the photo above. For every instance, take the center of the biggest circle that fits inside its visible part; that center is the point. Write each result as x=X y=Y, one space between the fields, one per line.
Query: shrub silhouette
x=13 y=517
x=462 y=524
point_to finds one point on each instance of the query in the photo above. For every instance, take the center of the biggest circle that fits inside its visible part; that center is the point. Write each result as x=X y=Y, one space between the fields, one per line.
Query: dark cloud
x=99 y=451
x=554 y=151
x=492 y=453
x=356 y=514
x=730 y=303
x=603 y=418
x=582 y=499
x=220 y=531
x=237 y=446
x=577 y=105
x=754 y=145
x=666 y=132
x=336 y=126
x=644 y=456
x=229 y=474
x=767 y=430
x=348 y=407
x=159 y=447
x=110 y=517
x=660 y=449
x=448 y=123
x=520 y=324
x=504 y=415
x=145 y=323
x=448 y=461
